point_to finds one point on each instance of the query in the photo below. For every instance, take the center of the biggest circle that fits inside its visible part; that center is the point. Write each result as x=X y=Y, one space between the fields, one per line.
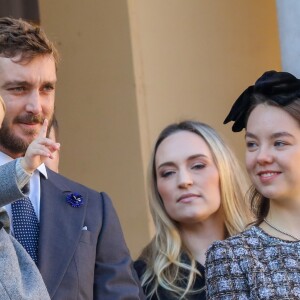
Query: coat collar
x=58 y=237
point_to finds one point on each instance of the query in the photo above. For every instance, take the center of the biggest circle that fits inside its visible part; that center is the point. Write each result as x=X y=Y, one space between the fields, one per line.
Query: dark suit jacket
x=82 y=264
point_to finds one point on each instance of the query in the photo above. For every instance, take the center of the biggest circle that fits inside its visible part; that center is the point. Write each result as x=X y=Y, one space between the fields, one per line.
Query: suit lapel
x=58 y=237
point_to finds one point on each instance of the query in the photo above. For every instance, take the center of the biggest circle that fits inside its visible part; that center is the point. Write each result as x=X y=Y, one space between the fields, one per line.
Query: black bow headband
x=281 y=87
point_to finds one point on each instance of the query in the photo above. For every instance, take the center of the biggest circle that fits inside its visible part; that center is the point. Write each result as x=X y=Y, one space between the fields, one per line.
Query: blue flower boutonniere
x=74 y=199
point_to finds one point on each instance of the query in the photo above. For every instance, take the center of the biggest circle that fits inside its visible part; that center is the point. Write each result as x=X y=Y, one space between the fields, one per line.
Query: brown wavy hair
x=23 y=41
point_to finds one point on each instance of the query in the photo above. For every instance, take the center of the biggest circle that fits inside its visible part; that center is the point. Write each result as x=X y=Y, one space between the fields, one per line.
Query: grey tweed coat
x=19 y=277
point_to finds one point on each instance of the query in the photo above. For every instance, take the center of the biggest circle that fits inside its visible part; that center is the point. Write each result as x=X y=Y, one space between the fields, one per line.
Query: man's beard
x=12 y=142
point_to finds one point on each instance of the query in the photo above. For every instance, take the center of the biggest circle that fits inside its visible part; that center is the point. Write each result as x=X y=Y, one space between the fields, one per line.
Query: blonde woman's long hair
x=163 y=255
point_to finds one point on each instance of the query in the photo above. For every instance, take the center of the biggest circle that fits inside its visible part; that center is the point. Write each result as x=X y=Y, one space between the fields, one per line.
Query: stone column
x=289 y=32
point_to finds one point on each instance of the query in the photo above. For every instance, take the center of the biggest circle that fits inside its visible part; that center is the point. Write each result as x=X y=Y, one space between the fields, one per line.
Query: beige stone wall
x=196 y=57
x=131 y=67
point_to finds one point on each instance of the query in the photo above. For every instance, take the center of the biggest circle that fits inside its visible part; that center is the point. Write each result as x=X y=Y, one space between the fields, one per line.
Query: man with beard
x=81 y=252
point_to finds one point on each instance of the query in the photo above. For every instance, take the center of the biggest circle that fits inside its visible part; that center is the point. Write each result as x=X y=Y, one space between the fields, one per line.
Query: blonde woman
x=196 y=197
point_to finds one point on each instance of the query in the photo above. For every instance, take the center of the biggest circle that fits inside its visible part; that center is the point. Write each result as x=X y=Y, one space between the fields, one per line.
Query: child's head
x=2 y=110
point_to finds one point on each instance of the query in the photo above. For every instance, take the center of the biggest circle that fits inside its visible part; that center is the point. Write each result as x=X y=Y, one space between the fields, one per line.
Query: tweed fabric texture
x=253 y=265
x=10 y=187
x=19 y=278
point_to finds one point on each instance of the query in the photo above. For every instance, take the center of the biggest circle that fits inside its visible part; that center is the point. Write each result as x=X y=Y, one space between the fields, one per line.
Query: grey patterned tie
x=26 y=226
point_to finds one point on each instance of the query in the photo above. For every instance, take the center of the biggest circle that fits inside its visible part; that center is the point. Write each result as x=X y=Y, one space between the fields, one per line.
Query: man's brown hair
x=24 y=41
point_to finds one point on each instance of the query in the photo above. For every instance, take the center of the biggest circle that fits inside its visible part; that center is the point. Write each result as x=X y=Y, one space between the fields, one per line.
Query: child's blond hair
x=2 y=103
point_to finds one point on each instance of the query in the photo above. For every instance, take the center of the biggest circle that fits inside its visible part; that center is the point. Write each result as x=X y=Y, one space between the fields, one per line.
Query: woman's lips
x=268 y=176
x=185 y=198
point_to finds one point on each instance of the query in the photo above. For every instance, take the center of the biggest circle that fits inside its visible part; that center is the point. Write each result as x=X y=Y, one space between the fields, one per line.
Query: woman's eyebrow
x=170 y=163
